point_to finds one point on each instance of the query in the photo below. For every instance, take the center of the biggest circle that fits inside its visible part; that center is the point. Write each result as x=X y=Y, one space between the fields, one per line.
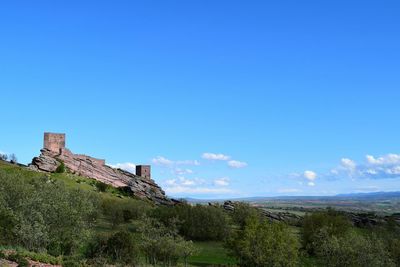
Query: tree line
x=86 y=228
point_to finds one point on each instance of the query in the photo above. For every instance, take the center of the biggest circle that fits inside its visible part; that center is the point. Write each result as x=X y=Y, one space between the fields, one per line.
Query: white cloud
x=388 y=159
x=382 y=167
x=310 y=175
x=348 y=164
x=237 y=164
x=222 y=181
x=213 y=156
x=180 y=171
x=188 y=162
x=394 y=170
x=130 y=167
x=311 y=184
x=387 y=166
x=162 y=161
x=183 y=181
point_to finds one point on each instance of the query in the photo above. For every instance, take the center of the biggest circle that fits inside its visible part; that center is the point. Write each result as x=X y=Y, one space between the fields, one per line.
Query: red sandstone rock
x=54 y=152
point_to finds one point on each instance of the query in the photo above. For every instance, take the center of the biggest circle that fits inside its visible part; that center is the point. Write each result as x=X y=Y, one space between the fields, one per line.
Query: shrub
x=242 y=213
x=121 y=247
x=201 y=223
x=262 y=243
x=102 y=187
x=15 y=257
x=162 y=245
x=39 y=215
x=61 y=167
x=352 y=250
x=333 y=223
x=119 y=211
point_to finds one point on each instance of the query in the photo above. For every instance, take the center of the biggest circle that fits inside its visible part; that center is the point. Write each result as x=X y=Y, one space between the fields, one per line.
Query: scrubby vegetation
x=75 y=221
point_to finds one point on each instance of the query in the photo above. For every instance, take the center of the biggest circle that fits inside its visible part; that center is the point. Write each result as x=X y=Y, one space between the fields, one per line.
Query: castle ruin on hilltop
x=54 y=153
x=55 y=142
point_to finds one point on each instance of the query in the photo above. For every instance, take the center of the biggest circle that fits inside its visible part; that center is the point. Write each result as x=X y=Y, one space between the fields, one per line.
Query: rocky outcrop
x=86 y=166
x=357 y=219
x=286 y=217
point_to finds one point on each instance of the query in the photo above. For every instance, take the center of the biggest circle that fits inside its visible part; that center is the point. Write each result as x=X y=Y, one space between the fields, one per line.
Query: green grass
x=40 y=257
x=69 y=180
x=211 y=254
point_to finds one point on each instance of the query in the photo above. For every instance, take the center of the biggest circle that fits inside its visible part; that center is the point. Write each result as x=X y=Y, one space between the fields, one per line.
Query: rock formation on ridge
x=54 y=152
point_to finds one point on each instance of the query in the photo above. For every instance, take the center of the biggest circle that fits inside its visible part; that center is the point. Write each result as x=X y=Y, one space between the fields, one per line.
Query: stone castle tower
x=54 y=142
x=143 y=171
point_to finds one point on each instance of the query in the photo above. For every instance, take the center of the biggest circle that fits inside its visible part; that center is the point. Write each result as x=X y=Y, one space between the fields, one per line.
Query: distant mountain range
x=374 y=196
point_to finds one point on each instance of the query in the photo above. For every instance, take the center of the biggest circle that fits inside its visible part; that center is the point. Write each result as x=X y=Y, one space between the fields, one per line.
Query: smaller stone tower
x=54 y=142
x=143 y=171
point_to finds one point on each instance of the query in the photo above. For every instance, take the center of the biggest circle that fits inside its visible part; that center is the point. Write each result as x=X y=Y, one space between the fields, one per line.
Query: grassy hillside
x=111 y=204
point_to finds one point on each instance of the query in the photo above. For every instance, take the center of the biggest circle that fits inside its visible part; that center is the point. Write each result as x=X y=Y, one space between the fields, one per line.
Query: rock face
x=82 y=165
x=358 y=219
x=286 y=217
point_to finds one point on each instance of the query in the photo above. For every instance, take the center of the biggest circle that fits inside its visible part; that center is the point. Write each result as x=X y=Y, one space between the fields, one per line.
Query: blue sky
x=223 y=98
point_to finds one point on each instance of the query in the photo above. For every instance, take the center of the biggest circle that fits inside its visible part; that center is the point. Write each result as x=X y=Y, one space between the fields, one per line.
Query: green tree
x=202 y=223
x=186 y=249
x=352 y=250
x=41 y=214
x=262 y=243
x=242 y=212
x=123 y=248
x=163 y=245
x=334 y=223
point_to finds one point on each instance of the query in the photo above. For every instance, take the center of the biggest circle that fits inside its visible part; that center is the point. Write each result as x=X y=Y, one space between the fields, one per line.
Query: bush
x=119 y=211
x=102 y=187
x=334 y=223
x=162 y=245
x=262 y=243
x=242 y=213
x=120 y=247
x=40 y=257
x=61 y=167
x=15 y=257
x=202 y=223
x=40 y=215
x=352 y=250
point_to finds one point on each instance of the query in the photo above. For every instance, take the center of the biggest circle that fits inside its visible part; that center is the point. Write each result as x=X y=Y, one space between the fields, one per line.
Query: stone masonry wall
x=54 y=142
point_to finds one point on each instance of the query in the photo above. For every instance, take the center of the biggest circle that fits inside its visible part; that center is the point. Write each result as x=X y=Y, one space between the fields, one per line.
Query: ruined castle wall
x=98 y=162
